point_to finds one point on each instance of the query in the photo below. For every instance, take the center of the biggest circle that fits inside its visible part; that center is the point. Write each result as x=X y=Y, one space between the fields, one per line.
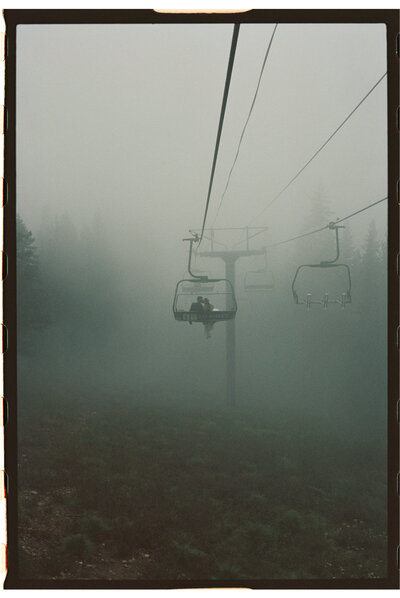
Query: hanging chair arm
x=335 y=227
x=194 y=239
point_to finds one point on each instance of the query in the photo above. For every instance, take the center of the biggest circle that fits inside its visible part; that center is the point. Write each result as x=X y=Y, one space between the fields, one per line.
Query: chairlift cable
x=328 y=226
x=246 y=123
x=318 y=230
x=362 y=210
x=319 y=150
x=221 y=119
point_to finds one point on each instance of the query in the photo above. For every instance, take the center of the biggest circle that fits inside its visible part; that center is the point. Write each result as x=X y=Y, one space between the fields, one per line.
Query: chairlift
x=343 y=298
x=222 y=297
x=260 y=280
x=224 y=302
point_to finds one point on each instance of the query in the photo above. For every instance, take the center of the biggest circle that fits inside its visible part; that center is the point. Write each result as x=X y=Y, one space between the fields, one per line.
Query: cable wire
x=247 y=121
x=221 y=119
x=362 y=210
x=320 y=149
x=318 y=230
x=328 y=225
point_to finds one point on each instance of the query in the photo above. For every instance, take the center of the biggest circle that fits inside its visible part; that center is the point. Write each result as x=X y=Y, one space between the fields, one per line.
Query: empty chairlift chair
x=342 y=298
x=260 y=280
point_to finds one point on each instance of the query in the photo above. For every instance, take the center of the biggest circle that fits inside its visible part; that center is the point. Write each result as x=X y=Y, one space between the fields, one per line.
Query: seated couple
x=203 y=304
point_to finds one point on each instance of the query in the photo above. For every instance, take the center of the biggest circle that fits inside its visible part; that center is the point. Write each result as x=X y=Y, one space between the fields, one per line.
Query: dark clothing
x=196 y=306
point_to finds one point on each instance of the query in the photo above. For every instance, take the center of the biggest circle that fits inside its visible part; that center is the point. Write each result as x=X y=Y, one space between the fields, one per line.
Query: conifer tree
x=31 y=310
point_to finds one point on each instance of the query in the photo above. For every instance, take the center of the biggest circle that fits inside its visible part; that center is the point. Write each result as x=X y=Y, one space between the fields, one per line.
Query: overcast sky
x=120 y=121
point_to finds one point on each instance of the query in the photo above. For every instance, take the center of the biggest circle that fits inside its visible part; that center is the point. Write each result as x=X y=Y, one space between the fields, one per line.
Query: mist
x=116 y=127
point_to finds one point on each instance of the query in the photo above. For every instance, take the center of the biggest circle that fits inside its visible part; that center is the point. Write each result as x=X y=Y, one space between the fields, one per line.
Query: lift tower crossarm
x=232 y=255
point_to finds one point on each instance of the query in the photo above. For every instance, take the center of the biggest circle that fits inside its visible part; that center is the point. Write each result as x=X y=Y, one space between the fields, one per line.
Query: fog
x=116 y=129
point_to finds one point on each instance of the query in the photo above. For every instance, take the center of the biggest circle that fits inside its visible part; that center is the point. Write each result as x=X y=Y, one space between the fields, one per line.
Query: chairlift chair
x=259 y=280
x=223 y=297
x=343 y=298
x=220 y=290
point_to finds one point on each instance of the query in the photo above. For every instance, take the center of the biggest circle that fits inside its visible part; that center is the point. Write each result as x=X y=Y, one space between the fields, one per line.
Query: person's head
x=207 y=301
x=200 y=299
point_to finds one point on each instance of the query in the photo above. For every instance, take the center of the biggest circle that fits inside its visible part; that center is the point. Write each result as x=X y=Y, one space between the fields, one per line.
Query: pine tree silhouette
x=31 y=310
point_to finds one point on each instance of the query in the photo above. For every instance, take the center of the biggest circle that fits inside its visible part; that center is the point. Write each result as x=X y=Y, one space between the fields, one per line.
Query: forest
x=131 y=466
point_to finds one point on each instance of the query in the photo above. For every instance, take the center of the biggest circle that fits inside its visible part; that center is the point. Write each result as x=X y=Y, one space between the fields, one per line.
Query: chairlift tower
x=230 y=258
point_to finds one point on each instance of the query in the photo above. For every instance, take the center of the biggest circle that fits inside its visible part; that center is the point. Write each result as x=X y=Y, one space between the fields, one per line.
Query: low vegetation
x=133 y=489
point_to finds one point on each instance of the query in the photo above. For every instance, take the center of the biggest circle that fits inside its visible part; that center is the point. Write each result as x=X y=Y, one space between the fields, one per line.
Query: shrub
x=93 y=526
x=190 y=558
x=77 y=546
x=121 y=537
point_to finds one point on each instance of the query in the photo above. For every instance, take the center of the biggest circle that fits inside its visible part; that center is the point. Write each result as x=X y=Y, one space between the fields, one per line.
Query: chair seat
x=212 y=316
